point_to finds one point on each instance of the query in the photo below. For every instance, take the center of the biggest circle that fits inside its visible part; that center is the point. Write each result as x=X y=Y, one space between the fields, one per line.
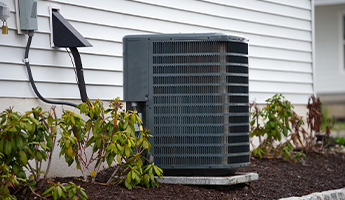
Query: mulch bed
x=277 y=179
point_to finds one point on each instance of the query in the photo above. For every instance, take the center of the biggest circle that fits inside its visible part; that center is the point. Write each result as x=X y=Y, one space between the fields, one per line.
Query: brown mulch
x=277 y=179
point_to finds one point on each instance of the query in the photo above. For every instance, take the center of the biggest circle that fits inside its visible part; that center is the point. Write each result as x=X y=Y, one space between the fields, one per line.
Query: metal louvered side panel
x=200 y=104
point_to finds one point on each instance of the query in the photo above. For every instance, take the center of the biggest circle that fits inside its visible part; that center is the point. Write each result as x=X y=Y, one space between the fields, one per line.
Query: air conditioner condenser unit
x=192 y=90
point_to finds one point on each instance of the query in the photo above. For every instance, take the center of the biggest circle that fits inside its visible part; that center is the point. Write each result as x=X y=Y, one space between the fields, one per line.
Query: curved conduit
x=81 y=82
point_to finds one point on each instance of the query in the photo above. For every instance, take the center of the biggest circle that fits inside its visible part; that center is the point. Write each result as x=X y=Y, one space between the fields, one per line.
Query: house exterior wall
x=280 y=34
x=329 y=59
x=330 y=72
x=280 y=37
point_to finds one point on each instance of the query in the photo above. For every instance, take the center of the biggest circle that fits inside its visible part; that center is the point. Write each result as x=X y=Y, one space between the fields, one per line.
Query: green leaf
x=47 y=191
x=146 y=180
x=145 y=144
x=39 y=156
x=49 y=143
x=157 y=171
x=8 y=147
x=72 y=120
x=19 y=142
x=55 y=194
x=111 y=147
x=83 y=194
x=128 y=185
x=110 y=159
x=35 y=121
x=72 y=192
x=127 y=152
x=118 y=159
x=129 y=178
x=50 y=120
x=59 y=190
x=44 y=147
x=2 y=144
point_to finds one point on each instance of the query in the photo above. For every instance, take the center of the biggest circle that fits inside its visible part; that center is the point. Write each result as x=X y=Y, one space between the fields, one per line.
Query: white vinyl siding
x=279 y=33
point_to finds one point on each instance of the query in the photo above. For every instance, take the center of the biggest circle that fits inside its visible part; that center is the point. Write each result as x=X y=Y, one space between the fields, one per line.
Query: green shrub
x=112 y=138
x=27 y=140
x=271 y=123
x=71 y=191
x=340 y=140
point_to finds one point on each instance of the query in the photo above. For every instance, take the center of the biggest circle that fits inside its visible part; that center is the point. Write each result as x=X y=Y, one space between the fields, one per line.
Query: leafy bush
x=111 y=137
x=71 y=191
x=27 y=137
x=28 y=140
x=270 y=124
x=278 y=119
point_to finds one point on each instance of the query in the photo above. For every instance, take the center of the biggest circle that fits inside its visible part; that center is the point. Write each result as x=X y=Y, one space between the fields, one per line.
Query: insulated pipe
x=80 y=74
x=27 y=64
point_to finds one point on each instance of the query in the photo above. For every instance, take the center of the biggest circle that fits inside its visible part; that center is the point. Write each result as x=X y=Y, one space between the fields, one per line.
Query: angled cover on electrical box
x=65 y=35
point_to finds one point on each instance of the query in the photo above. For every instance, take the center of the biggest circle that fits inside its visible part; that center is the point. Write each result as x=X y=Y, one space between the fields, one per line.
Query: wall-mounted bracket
x=64 y=34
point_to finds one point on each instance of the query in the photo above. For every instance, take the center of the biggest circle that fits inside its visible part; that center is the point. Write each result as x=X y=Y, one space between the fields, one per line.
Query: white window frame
x=341 y=42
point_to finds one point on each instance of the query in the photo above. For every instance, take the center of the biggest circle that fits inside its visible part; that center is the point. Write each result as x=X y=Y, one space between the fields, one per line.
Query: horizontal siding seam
x=280 y=70
x=280 y=59
x=280 y=81
x=60 y=50
x=216 y=3
x=62 y=66
x=291 y=6
x=213 y=15
x=280 y=48
x=60 y=82
x=268 y=92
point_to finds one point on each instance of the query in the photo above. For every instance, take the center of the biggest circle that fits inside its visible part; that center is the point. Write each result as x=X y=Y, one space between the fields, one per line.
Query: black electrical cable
x=80 y=75
x=27 y=64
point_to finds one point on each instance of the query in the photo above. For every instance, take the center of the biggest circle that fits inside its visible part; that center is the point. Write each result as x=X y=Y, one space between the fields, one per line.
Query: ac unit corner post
x=194 y=92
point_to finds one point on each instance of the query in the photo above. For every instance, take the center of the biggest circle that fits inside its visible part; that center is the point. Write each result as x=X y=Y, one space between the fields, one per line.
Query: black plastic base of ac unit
x=199 y=172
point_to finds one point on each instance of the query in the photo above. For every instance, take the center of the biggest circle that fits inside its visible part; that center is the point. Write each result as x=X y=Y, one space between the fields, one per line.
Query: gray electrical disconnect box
x=193 y=92
x=28 y=14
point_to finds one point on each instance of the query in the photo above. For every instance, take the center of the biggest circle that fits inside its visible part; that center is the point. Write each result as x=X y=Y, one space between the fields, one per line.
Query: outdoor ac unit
x=193 y=92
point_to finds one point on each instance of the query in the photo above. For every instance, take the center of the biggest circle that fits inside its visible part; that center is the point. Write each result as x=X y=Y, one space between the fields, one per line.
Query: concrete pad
x=209 y=180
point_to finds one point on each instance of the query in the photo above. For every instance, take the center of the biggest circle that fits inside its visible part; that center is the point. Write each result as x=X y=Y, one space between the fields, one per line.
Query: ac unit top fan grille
x=198 y=101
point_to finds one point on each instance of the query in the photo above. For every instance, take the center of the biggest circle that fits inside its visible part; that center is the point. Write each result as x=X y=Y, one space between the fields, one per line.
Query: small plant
x=270 y=124
x=316 y=121
x=27 y=137
x=70 y=191
x=8 y=181
x=111 y=137
x=340 y=141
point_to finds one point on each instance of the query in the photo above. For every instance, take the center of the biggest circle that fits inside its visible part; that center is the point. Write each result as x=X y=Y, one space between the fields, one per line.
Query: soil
x=277 y=179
